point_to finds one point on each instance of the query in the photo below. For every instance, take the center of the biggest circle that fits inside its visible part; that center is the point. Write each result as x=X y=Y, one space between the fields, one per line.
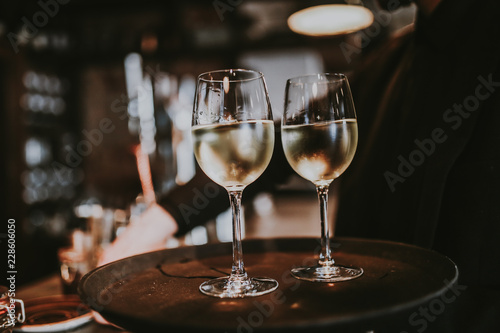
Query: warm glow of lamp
x=330 y=20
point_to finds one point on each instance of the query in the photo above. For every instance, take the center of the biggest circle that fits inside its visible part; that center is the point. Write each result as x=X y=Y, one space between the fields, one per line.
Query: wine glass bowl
x=238 y=154
x=233 y=138
x=319 y=135
x=320 y=152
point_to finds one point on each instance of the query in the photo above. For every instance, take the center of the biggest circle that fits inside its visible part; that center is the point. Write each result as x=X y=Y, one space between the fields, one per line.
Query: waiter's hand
x=149 y=233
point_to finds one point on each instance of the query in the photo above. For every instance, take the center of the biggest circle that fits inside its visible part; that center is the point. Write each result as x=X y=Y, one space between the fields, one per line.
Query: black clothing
x=427 y=171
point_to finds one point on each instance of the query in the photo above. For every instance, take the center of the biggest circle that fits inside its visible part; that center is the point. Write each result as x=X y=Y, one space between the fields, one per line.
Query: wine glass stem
x=325 y=258
x=238 y=269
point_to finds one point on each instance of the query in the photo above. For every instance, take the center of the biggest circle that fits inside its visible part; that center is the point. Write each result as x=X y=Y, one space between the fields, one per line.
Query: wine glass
x=320 y=134
x=233 y=137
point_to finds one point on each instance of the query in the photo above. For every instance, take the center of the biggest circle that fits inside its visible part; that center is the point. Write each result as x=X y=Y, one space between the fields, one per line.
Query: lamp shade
x=330 y=20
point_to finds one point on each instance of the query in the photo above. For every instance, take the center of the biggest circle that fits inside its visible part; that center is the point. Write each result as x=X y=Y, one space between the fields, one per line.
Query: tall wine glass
x=320 y=134
x=233 y=134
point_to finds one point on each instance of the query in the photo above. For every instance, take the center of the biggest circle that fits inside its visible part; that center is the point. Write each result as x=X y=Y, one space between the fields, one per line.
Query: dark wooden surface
x=159 y=290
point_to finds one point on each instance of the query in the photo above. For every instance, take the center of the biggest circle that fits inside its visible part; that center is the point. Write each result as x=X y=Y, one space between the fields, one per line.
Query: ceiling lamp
x=330 y=20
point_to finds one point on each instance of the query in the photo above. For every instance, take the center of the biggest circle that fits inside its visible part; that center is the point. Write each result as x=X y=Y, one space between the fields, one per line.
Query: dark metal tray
x=159 y=290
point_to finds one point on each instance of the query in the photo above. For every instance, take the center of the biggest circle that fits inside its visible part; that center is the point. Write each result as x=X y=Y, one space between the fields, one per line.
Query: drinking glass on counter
x=75 y=261
x=320 y=134
x=233 y=137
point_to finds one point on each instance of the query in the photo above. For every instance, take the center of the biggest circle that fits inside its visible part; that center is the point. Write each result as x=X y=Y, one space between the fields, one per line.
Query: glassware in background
x=73 y=266
x=233 y=137
x=179 y=108
x=75 y=261
x=320 y=134
x=159 y=113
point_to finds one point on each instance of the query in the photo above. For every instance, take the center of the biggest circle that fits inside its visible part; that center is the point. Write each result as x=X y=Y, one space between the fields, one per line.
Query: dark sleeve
x=201 y=200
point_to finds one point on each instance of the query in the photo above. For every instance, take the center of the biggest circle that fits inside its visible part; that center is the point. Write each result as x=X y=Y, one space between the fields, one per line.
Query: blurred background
x=83 y=82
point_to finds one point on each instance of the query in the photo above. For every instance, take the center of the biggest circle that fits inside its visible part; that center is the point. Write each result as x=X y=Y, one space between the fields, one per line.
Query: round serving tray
x=158 y=291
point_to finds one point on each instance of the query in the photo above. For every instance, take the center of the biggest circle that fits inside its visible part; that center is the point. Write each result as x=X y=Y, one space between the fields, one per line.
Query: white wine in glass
x=233 y=137
x=234 y=154
x=319 y=133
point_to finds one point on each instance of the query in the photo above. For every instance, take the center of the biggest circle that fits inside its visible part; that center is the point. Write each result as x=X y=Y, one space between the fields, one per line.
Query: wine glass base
x=228 y=287
x=332 y=273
